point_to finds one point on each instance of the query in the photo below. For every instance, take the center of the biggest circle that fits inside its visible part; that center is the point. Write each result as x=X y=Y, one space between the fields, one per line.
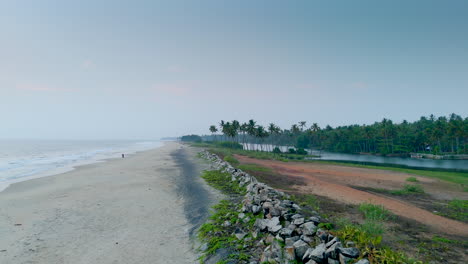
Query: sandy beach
x=140 y=209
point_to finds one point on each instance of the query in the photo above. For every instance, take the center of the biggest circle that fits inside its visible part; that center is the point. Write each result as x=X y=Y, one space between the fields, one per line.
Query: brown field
x=341 y=188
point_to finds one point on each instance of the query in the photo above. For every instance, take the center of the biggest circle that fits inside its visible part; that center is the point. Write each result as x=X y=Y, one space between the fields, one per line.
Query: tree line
x=437 y=135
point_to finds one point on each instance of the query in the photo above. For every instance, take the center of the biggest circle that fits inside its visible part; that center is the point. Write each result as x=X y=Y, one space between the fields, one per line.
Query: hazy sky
x=146 y=69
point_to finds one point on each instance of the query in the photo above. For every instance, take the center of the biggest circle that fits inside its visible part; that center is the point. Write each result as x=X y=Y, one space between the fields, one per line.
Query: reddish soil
x=334 y=181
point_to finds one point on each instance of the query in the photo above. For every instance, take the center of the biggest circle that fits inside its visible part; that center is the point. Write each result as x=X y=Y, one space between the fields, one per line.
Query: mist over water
x=26 y=159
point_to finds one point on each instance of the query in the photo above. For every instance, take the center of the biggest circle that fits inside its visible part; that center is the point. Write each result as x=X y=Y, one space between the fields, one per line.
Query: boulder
x=317 y=254
x=300 y=248
x=332 y=252
x=348 y=252
x=298 y=221
x=289 y=253
x=308 y=228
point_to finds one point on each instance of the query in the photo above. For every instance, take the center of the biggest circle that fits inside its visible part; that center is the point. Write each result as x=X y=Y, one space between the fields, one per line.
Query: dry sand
x=130 y=210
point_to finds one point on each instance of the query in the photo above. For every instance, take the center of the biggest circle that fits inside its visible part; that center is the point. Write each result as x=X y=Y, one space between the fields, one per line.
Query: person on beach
x=123 y=155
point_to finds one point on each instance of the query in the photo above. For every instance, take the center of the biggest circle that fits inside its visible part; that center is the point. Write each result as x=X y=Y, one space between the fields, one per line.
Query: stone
x=307 y=238
x=241 y=215
x=226 y=223
x=348 y=252
x=286 y=232
x=331 y=242
x=240 y=236
x=255 y=209
x=289 y=253
x=333 y=261
x=261 y=224
x=323 y=235
x=298 y=221
x=332 y=252
x=309 y=228
x=296 y=216
x=311 y=262
x=344 y=260
x=290 y=240
x=300 y=248
x=317 y=254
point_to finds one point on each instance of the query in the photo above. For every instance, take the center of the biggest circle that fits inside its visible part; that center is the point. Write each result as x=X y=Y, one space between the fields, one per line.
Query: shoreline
x=128 y=210
x=57 y=171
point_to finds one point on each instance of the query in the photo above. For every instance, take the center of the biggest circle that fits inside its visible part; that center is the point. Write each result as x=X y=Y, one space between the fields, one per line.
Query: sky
x=148 y=69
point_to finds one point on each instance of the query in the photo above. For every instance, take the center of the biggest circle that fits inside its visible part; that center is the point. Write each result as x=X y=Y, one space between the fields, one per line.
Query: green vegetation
x=222 y=181
x=412 y=179
x=456 y=209
x=450 y=176
x=374 y=212
x=436 y=135
x=218 y=231
x=253 y=167
x=233 y=161
x=191 y=138
x=409 y=189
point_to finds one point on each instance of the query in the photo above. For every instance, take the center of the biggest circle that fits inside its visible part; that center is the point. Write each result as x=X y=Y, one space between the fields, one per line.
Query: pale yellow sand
x=120 y=211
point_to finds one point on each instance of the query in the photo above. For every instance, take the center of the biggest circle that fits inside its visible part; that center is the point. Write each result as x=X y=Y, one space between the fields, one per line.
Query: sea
x=22 y=160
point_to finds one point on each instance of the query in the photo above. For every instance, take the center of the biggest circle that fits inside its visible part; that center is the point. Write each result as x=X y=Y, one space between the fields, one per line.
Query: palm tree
x=213 y=130
x=243 y=129
x=261 y=133
x=251 y=125
x=302 y=124
x=235 y=126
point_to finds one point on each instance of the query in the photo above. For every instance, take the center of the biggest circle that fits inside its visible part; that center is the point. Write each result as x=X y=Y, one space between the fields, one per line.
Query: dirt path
x=333 y=181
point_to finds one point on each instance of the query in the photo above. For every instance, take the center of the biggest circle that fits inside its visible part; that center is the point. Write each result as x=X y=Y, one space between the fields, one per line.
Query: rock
x=298 y=221
x=261 y=224
x=239 y=234
x=300 y=248
x=311 y=262
x=362 y=261
x=331 y=242
x=348 y=252
x=307 y=239
x=286 y=232
x=290 y=240
x=296 y=216
x=332 y=252
x=323 y=235
x=241 y=215
x=297 y=207
x=333 y=261
x=226 y=223
x=317 y=254
x=308 y=228
x=344 y=259
x=255 y=209
x=289 y=253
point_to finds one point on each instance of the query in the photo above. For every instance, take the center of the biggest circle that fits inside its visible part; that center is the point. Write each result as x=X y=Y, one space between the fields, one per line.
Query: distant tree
x=213 y=130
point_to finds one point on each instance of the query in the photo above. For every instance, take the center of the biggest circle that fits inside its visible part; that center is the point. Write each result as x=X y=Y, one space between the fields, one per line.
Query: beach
x=139 y=209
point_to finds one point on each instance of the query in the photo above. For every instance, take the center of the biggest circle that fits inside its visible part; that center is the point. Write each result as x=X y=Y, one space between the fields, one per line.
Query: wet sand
x=140 y=209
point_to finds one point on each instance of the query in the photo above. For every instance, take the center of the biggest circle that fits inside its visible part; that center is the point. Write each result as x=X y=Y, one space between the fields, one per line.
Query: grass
x=374 y=212
x=233 y=161
x=450 y=176
x=222 y=181
x=409 y=189
x=456 y=209
x=253 y=168
x=412 y=179
x=215 y=233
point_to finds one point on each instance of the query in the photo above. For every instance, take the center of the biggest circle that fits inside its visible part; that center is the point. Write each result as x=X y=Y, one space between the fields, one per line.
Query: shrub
x=276 y=150
x=301 y=151
x=292 y=151
x=412 y=179
x=409 y=189
x=374 y=212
